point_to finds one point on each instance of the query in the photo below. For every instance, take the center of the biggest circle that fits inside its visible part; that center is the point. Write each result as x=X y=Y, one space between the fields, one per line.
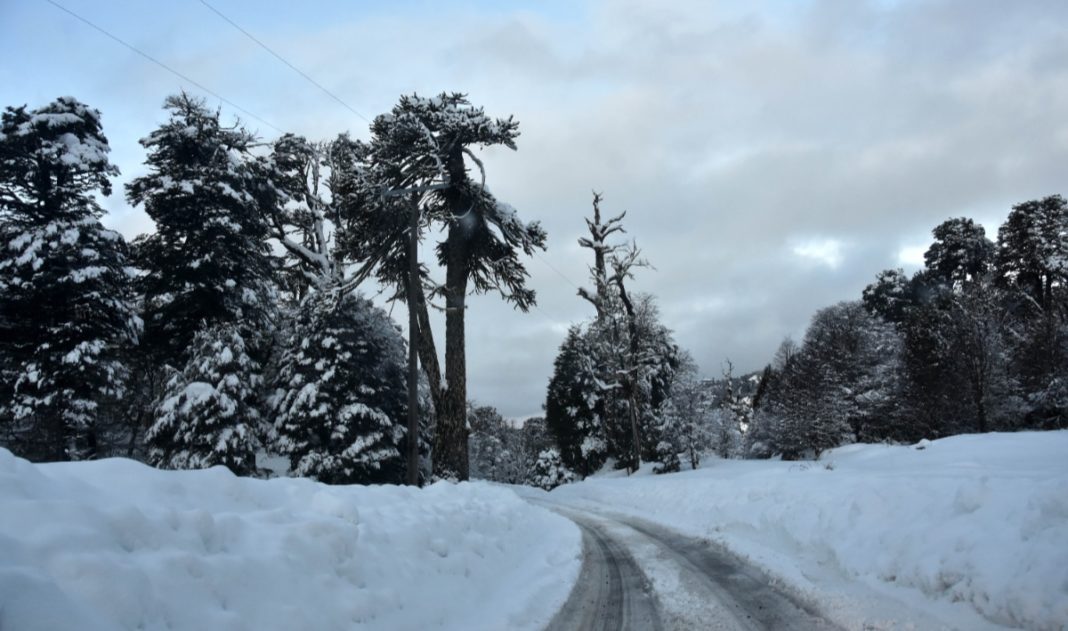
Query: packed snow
x=971 y=530
x=114 y=544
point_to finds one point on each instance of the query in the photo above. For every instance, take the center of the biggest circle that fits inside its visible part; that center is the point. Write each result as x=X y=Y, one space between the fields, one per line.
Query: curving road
x=639 y=575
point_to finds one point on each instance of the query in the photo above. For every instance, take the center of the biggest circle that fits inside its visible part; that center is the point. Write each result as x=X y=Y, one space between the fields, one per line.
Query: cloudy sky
x=772 y=157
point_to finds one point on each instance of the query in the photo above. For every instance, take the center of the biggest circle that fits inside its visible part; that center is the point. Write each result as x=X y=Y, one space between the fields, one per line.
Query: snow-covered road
x=967 y=533
x=639 y=575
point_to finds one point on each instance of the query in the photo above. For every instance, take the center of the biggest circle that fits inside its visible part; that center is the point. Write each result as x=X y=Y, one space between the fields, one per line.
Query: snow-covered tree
x=960 y=254
x=1032 y=264
x=208 y=262
x=495 y=447
x=689 y=412
x=575 y=404
x=66 y=314
x=340 y=403
x=419 y=156
x=733 y=416
x=210 y=411
x=613 y=375
x=1033 y=248
x=890 y=296
x=840 y=383
x=305 y=176
x=549 y=471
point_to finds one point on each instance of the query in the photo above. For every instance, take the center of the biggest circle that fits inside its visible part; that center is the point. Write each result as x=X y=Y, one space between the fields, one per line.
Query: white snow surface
x=965 y=532
x=115 y=544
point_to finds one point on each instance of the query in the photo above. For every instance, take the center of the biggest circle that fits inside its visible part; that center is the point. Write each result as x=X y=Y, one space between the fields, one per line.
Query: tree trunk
x=450 y=438
x=414 y=289
x=632 y=374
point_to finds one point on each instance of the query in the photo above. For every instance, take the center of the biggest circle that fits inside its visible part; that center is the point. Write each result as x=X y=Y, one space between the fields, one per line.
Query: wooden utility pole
x=413 y=346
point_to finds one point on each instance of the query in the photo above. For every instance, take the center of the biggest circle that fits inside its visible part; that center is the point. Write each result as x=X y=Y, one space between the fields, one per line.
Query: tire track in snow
x=638 y=575
x=611 y=592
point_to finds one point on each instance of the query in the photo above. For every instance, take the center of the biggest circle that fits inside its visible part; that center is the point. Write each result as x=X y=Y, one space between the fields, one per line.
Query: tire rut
x=611 y=592
x=614 y=592
x=751 y=597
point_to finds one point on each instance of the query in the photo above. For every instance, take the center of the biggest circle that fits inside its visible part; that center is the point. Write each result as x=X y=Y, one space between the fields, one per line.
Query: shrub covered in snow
x=549 y=471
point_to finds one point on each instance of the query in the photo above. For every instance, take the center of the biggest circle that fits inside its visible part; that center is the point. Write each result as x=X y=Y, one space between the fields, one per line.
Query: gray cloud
x=731 y=133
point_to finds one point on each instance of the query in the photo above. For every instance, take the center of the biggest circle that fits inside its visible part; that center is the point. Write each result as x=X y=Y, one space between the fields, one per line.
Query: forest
x=241 y=325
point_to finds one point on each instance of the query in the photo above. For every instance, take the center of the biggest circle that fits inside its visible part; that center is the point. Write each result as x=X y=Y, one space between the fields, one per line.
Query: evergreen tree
x=1032 y=264
x=890 y=296
x=418 y=158
x=208 y=262
x=66 y=318
x=732 y=417
x=549 y=471
x=341 y=393
x=1033 y=249
x=209 y=413
x=497 y=448
x=574 y=406
x=960 y=254
x=689 y=410
x=840 y=384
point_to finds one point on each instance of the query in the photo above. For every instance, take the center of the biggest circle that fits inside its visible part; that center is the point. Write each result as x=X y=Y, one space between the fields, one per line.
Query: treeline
x=236 y=326
x=976 y=341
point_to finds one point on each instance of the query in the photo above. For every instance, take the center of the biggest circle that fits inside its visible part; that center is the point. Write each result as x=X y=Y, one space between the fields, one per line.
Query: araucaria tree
x=206 y=268
x=419 y=156
x=66 y=315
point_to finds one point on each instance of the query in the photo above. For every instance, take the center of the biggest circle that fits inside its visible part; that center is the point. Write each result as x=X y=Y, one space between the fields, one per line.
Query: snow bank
x=115 y=544
x=980 y=519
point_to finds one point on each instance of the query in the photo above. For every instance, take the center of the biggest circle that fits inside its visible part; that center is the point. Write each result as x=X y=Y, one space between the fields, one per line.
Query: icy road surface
x=638 y=575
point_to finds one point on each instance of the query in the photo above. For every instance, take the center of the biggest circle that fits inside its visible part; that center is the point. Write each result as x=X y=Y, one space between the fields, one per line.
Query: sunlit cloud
x=824 y=251
x=911 y=256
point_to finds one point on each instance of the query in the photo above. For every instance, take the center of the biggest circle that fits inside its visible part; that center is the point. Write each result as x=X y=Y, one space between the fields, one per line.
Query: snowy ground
x=117 y=545
x=969 y=532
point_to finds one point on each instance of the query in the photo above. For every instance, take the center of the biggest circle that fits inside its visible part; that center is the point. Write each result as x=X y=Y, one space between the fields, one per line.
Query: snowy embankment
x=966 y=524
x=115 y=544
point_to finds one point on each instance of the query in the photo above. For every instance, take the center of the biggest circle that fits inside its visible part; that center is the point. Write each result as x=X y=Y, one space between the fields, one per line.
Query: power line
x=162 y=65
x=283 y=60
x=553 y=268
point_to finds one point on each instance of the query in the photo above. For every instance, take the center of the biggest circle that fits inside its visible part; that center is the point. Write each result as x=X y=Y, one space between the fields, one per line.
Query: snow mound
x=980 y=520
x=115 y=544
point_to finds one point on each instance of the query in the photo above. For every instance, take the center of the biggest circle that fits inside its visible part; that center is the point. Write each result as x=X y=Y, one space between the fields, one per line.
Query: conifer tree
x=66 y=318
x=420 y=156
x=574 y=405
x=549 y=471
x=208 y=262
x=1032 y=263
x=209 y=414
x=1033 y=249
x=341 y=402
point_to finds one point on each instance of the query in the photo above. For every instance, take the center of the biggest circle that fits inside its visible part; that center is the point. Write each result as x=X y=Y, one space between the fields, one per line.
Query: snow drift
x=115 y=544
x=979 y=519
